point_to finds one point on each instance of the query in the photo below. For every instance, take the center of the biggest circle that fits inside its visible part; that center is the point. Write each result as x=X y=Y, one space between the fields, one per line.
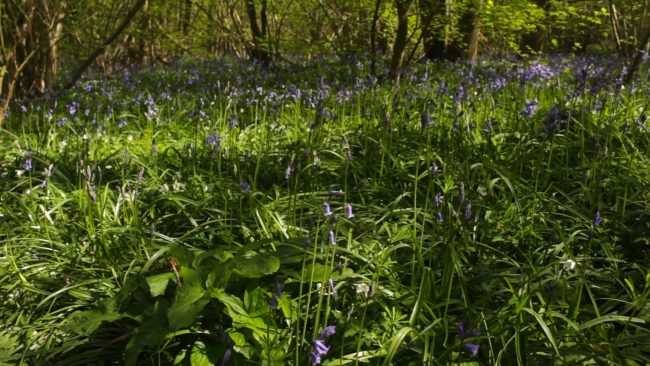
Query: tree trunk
x=535 y=41
x=257 y=51
x=401 y=36
x=186 y=16
x=474 y=35
x=373 y=38
x=102 y=47
x=432 y=40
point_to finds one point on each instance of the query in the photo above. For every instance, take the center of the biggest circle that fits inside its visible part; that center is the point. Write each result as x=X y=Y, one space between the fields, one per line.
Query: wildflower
x=214 y=141
x=335 y=192
x=569 y=264
x=425 y=120
x=362 y=289
x=438 y=199
x=531 y=107
x=27 y=165
x=439 y=217
x=434 y=170
x=330 y=282
x=349 y=210
x=287 y=172
x=332 y=240
x=245 y=187
x=464 y=332
x=62 y=121
x=468 y=211
x=122 y=124
x=472 y=348
x=598 y=220
x=328 y=210
x=319 y=347
x=226 y=357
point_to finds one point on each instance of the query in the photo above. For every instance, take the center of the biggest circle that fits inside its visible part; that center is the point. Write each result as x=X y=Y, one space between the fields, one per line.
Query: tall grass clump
x=215 y=213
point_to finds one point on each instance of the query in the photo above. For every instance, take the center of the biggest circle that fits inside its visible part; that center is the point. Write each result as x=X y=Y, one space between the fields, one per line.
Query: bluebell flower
x=434 y=170
x=472 y=348
x=464 y=332
x=27 y=164
x=245 y=187
x=335 y=192
x=328 y=331
x=226 y=357
x=332 y=240
x=439 y=217
x=328 y=210
x=287 y=172
x=468 y=211
x=319 y=348
x=349 y=210
x=531 y=107
x=438 y=199
x=598 y=220
x=122 y=124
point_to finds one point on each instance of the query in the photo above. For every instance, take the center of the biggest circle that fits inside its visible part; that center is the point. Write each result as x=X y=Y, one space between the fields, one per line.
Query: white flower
x=362 y=288
x=569 y=264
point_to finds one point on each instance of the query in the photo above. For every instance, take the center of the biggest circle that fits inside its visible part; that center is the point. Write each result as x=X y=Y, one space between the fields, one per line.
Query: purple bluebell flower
x=287 y=172
x=61 y=121
x=330 y=282
x=531 y=107
x=23 y=109
x=27 y=164
x=425 y=120
x=72 y=108
x=122 y=124
x=328 y=331
x=336 y=192
x=472 y=348
x=434 y=170
x=328 y=210
x=245 y=187
x=332 y=239
x=349 y=211
x=438 y=199
x=226 y=357
x=319 y=348
x=140 y=175
x=468 y=211
x=463 y=330
x=439 y=217
x=598 y=220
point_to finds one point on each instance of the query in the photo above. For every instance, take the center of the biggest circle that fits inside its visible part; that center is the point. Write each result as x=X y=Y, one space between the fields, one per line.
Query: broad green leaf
x=88 y=321
x=199 y=356
x=150 y=333
x=256 y=266
x=158 y=283
x=189 y=301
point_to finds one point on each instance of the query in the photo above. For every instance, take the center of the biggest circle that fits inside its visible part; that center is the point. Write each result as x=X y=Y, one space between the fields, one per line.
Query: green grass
x=174 y=257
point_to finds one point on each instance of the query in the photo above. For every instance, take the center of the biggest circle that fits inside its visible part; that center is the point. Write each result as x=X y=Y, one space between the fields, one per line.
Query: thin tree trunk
x=473 y=36
x=433 y=42
x=638 y=57
x=257 y=51
x=401 y=37
x=373 y=38
x=102 y=47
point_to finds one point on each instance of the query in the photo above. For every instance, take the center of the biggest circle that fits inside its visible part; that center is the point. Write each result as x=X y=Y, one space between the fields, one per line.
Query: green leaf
x=158 y=283
x=256 y=266
x=189 y=301
x=150 y=333
x=88 y=321
x=544 y=326
x=236 y=311
x=199 y=356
